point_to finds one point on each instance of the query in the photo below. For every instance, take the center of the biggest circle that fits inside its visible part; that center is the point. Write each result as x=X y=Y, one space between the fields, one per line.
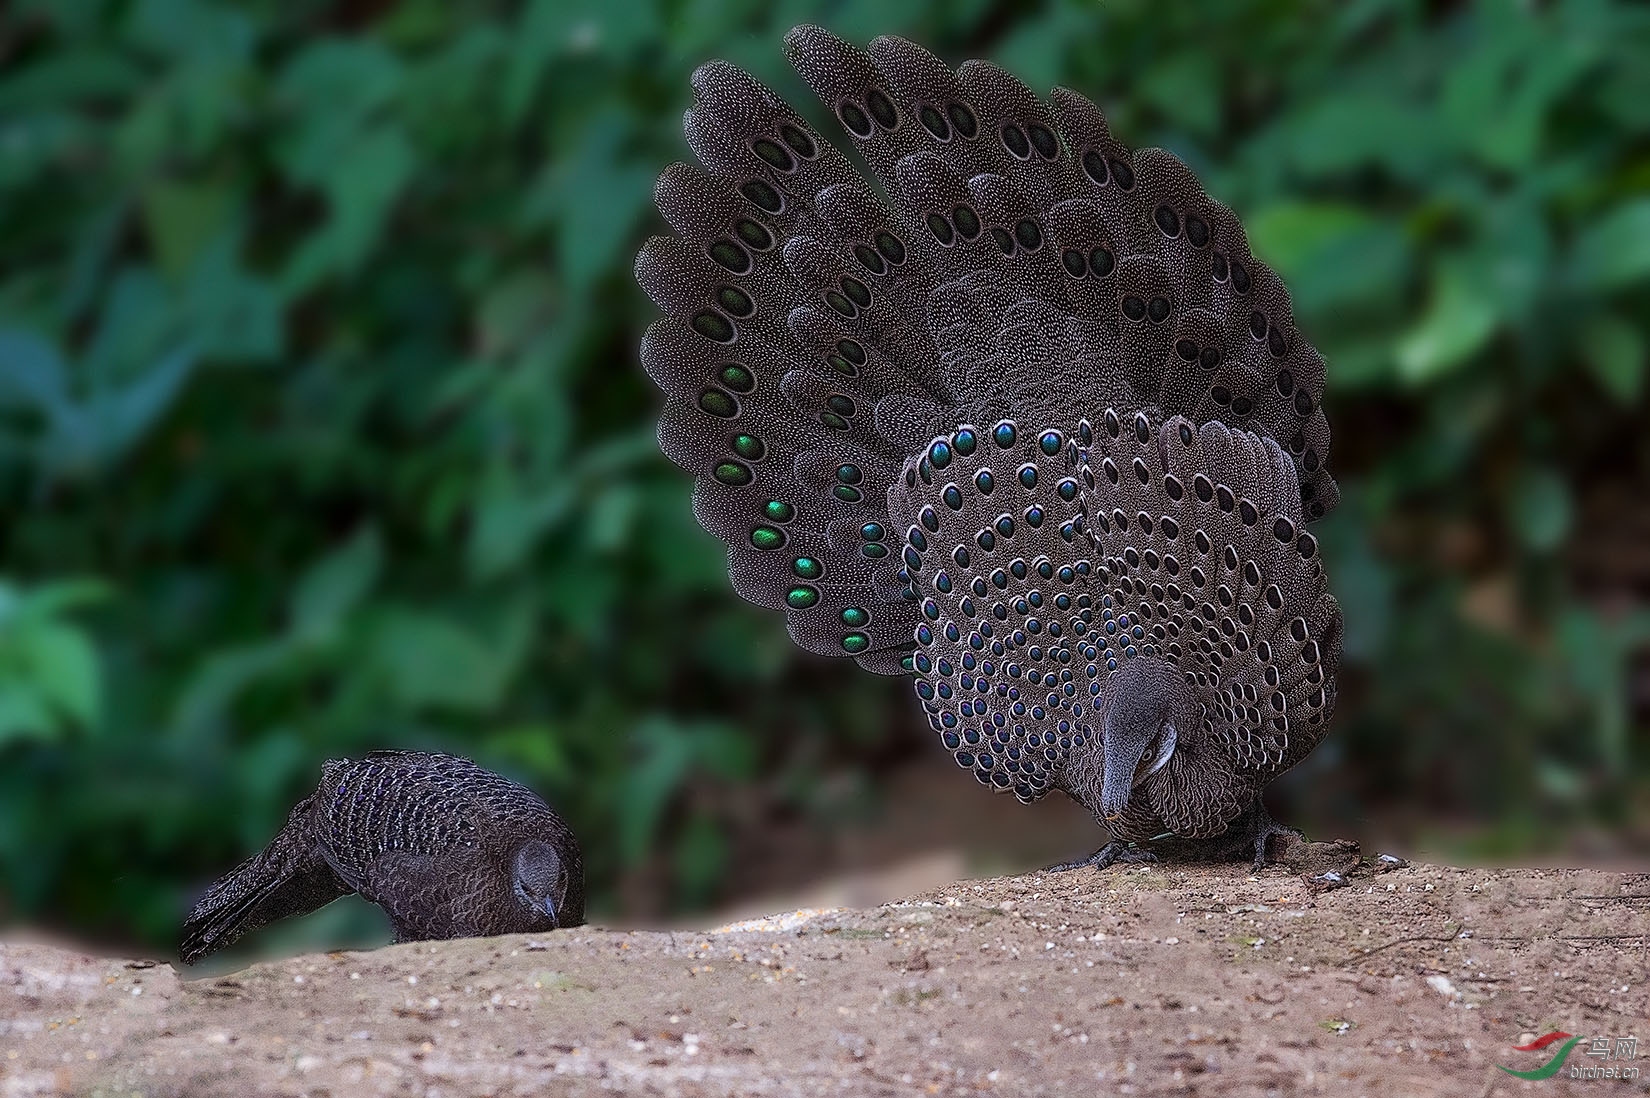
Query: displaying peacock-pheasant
x=1020 y=417
x=447 y=849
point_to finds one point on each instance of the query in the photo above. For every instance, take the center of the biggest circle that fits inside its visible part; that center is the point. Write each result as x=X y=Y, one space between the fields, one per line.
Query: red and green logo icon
x=1551 y=1067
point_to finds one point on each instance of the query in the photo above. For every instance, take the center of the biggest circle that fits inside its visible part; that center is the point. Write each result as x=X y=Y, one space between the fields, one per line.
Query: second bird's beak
x=550 y=909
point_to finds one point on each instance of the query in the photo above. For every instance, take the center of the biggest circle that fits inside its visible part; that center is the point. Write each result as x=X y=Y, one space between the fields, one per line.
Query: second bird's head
x=1152 y=710
x=542 y=881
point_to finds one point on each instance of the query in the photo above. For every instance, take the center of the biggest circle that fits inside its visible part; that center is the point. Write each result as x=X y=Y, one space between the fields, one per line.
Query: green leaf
x=1186 y=89
x=507 y=522
x=59 y=596
x=328 y=91
x=598 y=192
x=50 y=677
x=180 y=218
x=63 y=666
x=1364 y=582
x=1459 y=320
x=362 y=188
x=1498 y=96
x=1289 y=233
x=535 y=747
x=32 y=374
x=334 y=585
x=1614 y=351
x=234 y=314
x=25 y=715
x=727 y=752
x=212 y=688
x=77 y=72
x=701 y=855
x=1330 y=253
x=1540 y=509
x=517 y=308
x=541 y=24
x=1614 y=250
x=123 y=416
x=429 y=661
x=1337 y=134
x=191 y=28
x=666 y=747
x=613 y=511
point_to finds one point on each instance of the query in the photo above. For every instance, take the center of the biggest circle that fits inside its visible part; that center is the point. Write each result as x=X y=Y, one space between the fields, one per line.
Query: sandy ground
x=1137 y=980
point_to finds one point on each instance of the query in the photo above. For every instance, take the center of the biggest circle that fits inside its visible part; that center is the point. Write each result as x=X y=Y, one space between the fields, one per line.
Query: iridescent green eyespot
x=730 y=255
x=735 y=301
x=738 y=378
x=773 y=154
x=753 y=234
x=731 y=473
x=762 y=195
x=852 y=351
x=713 y=326
x=717 y=403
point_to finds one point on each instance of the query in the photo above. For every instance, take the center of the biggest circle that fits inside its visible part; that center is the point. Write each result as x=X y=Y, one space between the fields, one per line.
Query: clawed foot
x=1266 y=830
x=1325 y=864
x=1113 y=852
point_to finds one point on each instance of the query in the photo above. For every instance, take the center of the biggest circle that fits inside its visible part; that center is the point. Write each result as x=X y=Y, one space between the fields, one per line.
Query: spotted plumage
x=446 y=848
x=1035 y=429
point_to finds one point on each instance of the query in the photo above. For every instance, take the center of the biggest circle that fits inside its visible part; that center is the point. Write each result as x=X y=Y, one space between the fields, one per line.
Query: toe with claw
x=1114 y=852
x=1261 y=831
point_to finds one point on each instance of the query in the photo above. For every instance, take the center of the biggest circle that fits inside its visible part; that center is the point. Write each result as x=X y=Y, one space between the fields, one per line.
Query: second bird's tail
x=288 y=877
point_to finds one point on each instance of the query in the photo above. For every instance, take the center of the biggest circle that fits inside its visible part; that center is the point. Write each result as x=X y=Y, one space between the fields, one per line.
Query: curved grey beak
x=1125 y=769
x=1121 y=761
x=550 y=909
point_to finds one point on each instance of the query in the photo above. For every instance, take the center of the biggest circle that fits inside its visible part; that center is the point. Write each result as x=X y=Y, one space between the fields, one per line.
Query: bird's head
x=1150 y=706
x=540 y=879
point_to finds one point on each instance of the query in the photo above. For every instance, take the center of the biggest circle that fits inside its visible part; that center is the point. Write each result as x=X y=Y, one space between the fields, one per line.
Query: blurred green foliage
x=320 y=426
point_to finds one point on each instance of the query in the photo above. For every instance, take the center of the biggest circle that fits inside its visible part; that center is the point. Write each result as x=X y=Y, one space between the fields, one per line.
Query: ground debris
x=1413 y=980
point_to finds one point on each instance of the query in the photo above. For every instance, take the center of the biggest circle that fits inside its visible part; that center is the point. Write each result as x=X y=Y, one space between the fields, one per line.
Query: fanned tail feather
x=1026 y=267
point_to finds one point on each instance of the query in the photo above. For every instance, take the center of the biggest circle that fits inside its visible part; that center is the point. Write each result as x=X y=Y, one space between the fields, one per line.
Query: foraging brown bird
x=446 y=848
x=1035 y=428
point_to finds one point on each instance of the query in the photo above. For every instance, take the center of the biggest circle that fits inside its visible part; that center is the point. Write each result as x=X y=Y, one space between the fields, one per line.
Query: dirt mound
x=1144 y=980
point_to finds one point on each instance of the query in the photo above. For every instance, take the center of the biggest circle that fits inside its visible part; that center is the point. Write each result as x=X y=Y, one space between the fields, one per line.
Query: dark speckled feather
x=1035 y=414
x=446 y=848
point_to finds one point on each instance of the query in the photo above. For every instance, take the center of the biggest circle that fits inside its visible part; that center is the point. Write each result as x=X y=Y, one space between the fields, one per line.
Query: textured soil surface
x=1136 y=980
